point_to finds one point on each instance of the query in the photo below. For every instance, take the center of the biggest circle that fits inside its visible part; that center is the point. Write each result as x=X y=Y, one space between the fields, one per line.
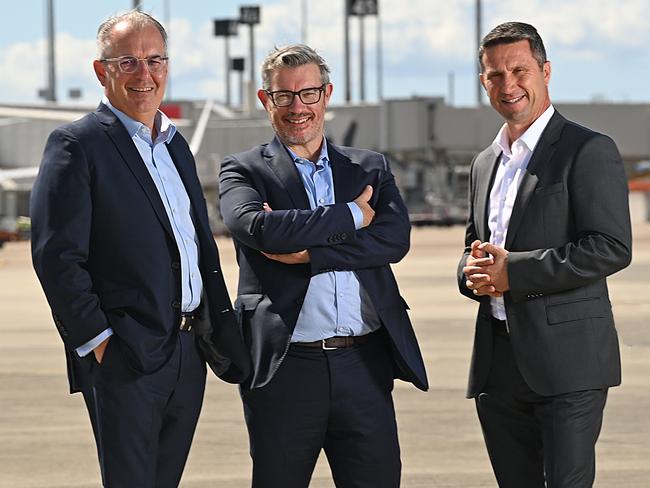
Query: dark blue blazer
x=270 y=293
x=104 y=250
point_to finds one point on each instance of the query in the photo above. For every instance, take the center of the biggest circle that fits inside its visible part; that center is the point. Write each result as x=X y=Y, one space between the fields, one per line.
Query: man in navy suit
x=549 y=221
x=124 y=252
x=316 y=226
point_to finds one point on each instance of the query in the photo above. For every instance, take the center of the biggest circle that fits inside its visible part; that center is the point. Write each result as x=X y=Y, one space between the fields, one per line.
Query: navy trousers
x=144 y=424
x=337 y=400
x=537 y=441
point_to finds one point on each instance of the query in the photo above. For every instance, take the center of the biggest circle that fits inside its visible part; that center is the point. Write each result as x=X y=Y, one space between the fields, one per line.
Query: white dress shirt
x=512 y=165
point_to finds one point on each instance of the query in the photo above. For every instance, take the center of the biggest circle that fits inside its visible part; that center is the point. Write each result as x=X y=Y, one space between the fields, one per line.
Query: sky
x=599 y=49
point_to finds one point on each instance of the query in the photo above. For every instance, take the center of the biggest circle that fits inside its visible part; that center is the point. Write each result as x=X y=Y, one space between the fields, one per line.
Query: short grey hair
x=292 y=56
x=135 y=18
x=511 y=32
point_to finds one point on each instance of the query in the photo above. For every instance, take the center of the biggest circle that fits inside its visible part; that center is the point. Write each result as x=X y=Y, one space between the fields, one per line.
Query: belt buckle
x=185 y=326
x=324 y=347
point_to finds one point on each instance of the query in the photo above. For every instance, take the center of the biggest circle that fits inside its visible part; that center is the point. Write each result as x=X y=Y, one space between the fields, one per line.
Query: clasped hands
x=486 y=269
x=302 y=257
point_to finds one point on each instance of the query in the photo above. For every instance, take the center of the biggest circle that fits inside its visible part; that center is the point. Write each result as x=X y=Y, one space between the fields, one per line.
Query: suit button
x=176 y=265
x=344 y=236
x=176 y=304
x=215 y=271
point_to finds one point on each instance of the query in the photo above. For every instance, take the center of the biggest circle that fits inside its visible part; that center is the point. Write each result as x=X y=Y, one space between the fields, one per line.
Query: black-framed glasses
x=308 y=96
x=129 y=64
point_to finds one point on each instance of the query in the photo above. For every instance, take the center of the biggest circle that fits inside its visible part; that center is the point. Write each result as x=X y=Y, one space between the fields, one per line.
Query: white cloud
x=422 y=41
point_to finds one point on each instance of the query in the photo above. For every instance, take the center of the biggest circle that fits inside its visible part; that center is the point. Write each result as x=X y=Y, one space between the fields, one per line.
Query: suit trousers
x=337 y=400
x=537 y=441
x=144 y=424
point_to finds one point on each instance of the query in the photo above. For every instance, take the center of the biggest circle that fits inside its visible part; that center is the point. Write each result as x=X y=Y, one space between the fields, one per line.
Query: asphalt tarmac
x=46 y=440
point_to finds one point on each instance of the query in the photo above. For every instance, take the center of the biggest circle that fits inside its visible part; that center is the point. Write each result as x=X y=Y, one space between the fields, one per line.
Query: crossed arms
x=325 y=236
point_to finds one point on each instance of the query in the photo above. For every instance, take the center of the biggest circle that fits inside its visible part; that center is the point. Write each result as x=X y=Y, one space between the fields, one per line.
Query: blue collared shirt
x=174 y=197
x=335 y=304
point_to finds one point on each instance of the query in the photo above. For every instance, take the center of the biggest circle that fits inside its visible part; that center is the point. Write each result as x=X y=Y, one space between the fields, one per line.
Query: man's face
x=516 y=85
x=137 y=94
x=298 y=124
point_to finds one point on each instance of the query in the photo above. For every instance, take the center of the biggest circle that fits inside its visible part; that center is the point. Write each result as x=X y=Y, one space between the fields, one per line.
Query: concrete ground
x=46 y=439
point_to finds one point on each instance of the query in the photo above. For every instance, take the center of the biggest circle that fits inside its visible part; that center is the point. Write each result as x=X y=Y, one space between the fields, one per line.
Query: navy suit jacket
x=569 y=230
x=105 y=253
x=270 y=293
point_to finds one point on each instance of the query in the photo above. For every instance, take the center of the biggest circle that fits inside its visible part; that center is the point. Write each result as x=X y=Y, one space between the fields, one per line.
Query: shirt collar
x=322 y=158
x=530 y=138
x=165 y=127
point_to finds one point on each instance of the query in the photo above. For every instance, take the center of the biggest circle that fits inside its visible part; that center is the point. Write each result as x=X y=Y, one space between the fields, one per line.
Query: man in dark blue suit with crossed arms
x=316 y=227
x=124 y=252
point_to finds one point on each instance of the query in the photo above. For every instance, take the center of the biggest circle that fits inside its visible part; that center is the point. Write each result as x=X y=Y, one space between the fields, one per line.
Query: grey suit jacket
x=569 y=230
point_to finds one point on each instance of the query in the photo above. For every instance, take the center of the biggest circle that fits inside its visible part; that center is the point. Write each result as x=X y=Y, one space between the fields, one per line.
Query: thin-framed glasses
x=129 y=64
x=308 y=96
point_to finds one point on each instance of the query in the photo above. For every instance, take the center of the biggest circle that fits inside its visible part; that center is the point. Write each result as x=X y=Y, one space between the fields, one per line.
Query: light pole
x=50 y=93
x=479 y=87
x=226 y=28
x=250 y=15
x=238 y=65
x=361 y=8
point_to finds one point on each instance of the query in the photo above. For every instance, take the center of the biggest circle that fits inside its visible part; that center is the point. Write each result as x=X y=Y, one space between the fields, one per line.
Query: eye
x=128 y=63
x=283 y=97
x=154 y=61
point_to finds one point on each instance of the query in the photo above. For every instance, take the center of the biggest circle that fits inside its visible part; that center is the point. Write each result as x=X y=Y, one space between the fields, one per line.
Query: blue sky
x=599 y=49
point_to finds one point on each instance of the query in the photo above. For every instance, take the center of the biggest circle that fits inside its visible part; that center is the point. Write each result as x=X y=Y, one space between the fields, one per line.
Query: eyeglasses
x=129 y=64
x=308 y=96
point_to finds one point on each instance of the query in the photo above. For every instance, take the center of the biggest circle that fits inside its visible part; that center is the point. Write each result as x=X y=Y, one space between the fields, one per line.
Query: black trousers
x=144 y=424
x=339 y=401
x=537 y=441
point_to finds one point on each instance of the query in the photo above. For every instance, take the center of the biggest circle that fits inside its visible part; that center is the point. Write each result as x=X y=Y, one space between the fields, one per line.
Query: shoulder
x=252 y=155
x=363 y=157
x=578 y=135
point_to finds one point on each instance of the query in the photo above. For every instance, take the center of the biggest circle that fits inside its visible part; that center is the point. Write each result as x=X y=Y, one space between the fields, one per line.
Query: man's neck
x=307 y=151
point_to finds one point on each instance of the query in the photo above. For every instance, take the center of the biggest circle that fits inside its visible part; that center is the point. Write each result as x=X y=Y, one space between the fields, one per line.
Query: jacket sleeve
x=470 y=236
x=386 y=240
x=598 y=191
x=279 y=231
x=61 y=212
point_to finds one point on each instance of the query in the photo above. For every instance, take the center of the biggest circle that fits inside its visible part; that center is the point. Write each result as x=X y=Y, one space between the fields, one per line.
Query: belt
x=335 y=342
x=187 y=321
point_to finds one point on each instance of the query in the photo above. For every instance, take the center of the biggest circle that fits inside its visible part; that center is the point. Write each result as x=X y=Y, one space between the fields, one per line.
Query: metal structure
x=250 y=15
x=226 y=28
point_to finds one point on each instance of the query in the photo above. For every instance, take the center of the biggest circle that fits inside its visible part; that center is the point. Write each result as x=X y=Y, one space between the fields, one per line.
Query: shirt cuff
x=357 y=215
x=87 y=348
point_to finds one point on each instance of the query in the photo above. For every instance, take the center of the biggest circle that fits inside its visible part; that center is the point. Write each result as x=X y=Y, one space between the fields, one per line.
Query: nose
x=142 y=70
x=296 y=103
x=509 y=81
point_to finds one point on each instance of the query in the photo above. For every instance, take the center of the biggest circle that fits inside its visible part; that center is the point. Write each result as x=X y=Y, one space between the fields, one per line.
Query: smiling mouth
x=298 y=120
x=512 y=100
x=141 y=90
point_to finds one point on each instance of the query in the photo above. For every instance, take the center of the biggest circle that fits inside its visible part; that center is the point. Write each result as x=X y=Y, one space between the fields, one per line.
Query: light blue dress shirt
x=335 y=304
x=177 y=205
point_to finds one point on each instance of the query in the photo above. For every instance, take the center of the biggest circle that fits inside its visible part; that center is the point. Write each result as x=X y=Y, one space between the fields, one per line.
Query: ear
x=263 y=97
x=100 y=71
x=482 y=78
x=547 y=72
x=329 y=88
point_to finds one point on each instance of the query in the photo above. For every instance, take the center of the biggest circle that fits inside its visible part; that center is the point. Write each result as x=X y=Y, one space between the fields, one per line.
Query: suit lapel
x=343 y=177
x=485 y=174
x=125 y=146
x=543 y=153
x=280 y=162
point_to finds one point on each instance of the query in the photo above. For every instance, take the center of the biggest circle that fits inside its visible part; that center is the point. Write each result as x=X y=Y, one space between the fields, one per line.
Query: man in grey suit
x=549 y=221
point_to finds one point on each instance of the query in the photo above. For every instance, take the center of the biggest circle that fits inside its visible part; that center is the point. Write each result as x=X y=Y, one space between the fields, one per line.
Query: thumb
x=366 y=194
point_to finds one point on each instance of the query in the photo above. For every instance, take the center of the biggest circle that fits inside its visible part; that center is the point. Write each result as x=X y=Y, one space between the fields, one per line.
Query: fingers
x=267 y=207
x=365 y=195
